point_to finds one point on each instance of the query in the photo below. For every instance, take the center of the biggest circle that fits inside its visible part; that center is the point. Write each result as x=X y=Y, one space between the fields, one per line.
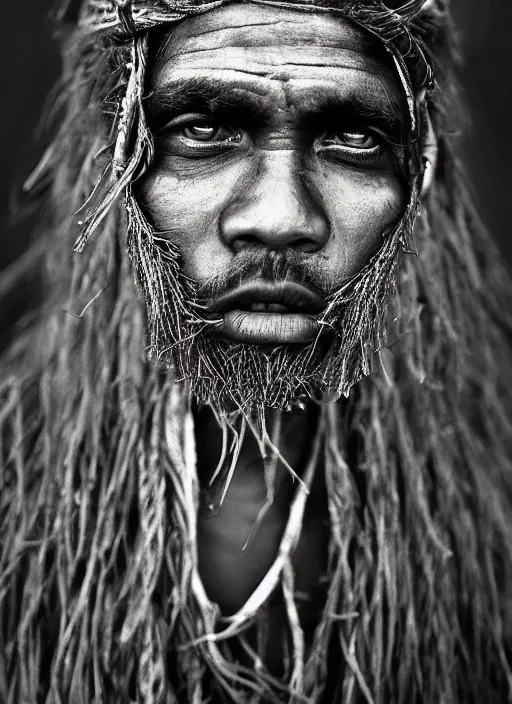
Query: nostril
x=301 y=244
x=246 y=242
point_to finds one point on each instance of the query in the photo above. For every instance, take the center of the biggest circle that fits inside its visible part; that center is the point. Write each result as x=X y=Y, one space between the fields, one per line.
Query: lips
x=255 y=296
x=269 y=313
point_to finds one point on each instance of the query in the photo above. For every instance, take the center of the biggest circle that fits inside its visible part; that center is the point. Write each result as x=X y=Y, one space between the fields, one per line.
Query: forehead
x=265 y=48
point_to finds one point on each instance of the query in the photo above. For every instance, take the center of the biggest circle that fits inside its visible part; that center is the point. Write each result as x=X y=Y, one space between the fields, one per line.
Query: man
x=305 y=494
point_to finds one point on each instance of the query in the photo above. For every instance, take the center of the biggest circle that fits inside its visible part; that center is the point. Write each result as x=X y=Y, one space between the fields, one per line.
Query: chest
x=231 y=572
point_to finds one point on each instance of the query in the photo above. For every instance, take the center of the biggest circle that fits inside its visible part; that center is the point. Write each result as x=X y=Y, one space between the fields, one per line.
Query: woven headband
x=71 y=10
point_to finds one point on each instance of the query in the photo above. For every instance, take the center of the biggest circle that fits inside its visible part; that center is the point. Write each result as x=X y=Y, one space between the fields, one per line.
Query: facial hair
x=236 y=376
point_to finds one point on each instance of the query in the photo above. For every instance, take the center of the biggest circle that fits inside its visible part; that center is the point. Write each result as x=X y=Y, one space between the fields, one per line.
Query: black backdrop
x=29 y=65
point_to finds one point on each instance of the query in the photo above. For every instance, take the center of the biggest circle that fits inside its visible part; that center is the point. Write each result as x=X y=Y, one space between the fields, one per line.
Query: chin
x=248 y=378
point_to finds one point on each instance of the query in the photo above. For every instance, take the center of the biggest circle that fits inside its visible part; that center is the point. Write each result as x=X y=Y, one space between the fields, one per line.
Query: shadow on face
x=277 y=134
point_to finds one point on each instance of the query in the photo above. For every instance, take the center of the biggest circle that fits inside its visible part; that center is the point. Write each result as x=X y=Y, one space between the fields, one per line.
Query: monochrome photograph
x=256 y=352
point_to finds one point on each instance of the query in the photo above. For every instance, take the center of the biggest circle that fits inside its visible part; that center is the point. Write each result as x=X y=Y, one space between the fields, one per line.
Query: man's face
x=278 y=163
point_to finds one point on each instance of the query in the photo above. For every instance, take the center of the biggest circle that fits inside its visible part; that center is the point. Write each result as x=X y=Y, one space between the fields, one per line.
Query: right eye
x=197 y=136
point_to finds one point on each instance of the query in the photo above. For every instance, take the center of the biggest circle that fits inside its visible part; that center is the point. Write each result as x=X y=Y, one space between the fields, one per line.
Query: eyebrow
x=202 y=94
x=241 y=104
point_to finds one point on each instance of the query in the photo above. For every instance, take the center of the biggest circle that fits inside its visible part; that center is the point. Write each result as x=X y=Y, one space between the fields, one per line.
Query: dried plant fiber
x=100 y=596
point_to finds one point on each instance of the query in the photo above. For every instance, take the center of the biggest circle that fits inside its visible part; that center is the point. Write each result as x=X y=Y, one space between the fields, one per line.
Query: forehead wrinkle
x=266 y=36
x=173 y=50
x=272 y=62
x=238 y=24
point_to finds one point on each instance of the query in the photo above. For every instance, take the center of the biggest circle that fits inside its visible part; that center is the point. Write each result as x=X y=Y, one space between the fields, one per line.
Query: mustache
x=265 y=265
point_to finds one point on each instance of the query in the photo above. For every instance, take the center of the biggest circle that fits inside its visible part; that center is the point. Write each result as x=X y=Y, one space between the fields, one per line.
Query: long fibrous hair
x=100 y=597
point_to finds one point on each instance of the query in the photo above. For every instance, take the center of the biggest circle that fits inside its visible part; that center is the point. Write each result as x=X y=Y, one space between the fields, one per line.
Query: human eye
x=356 y=145
x=198 y=136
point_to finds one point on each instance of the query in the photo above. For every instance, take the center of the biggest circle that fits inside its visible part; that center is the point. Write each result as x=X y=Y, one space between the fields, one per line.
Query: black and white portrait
x=255 y=393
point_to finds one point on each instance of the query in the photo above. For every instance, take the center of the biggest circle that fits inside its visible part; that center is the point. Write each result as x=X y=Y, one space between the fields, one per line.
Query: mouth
x=269 y=313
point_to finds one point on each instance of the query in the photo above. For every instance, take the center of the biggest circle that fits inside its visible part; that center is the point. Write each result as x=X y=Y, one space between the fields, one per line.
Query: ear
x=428 y=156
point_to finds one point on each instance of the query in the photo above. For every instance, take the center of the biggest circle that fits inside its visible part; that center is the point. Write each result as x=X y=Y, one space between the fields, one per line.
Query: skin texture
x=279 y=187
x=265 y=152
x=231 y=572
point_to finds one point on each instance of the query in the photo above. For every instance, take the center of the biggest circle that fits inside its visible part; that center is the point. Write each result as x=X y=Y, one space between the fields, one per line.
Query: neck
x=291 y=433
x=240 y=529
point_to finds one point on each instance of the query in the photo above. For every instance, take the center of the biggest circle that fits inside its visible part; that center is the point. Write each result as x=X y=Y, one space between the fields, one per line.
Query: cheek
x=361 y=207
x=184 y=203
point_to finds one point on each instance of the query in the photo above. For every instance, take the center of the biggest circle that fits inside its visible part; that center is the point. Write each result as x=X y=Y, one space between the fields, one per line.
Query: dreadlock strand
x=91 y=475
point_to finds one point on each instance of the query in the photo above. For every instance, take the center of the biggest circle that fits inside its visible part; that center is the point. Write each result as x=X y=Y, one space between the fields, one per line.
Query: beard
x=233 y=376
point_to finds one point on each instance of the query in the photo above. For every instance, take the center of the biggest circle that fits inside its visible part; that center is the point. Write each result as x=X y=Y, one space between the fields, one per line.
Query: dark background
x=29 y=65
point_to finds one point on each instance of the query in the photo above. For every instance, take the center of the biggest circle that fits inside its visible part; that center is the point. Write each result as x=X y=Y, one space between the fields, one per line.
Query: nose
x=276 y=208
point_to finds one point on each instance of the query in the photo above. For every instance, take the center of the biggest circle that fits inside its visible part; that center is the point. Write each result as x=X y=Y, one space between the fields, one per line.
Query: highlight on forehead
x=244 y=21
x=250 y=25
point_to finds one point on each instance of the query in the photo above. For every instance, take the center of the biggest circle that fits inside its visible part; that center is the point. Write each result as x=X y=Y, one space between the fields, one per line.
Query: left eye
x=353 y=140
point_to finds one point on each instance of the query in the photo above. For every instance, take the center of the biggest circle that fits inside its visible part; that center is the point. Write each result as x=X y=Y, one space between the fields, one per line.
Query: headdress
x=100 y=496
x=127 y=21
x=122 y=28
